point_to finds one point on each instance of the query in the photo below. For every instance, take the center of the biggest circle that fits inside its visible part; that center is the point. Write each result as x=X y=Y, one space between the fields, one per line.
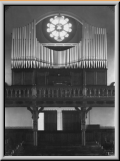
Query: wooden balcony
x=59 y=96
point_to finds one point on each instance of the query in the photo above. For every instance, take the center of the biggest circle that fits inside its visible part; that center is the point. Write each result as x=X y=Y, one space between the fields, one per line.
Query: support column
x=83 y=126
x=59 y=119
x=35 y=115
x=35 y=126
x=83 y=113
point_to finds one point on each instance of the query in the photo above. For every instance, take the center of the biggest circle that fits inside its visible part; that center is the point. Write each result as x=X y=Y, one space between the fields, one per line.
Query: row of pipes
x=28 y=52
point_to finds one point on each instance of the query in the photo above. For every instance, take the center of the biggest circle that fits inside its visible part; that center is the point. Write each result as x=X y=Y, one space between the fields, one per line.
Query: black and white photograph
x=59 y=80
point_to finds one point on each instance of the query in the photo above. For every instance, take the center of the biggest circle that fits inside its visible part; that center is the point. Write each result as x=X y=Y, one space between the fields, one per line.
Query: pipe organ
x=75 y=64
x=90 y=52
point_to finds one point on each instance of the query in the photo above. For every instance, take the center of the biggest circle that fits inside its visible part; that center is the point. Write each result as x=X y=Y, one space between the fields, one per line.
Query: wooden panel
x=90 y=77
x=50 y=120
x=71 y=121
x=40 y=79
x=101 y=77
x=28 y=78
x=59 y=137
x=17 y=78
x=76 y=78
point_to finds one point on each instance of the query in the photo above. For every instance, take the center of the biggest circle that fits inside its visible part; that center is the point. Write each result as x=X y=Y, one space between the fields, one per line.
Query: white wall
x=15 y=116
x=102 y=115
x=22 y=117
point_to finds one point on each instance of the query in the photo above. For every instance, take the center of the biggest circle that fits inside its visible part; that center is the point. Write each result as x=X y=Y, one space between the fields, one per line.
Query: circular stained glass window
x=59 y=28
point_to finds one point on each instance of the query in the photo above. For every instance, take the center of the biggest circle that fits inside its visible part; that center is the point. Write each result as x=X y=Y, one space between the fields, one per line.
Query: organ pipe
x=13 y=44
x=106 y=46
x=24 y=37
x=17 y=45
x=27 y=52
x=104 y=50
x=12 y=50
x=44 y=55
x=22 y=54
x=91 y=49
x=34 y=36
x=24 y=62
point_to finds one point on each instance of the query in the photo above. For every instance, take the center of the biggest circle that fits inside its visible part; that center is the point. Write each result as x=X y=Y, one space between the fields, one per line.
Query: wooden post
x=35 y=115
x=83 y=128
x=35 y=126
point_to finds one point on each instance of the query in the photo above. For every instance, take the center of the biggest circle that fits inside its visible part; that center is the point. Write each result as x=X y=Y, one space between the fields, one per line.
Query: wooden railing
x=59 y=92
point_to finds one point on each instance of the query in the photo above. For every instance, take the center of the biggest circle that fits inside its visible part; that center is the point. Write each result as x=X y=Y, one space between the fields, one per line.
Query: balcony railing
x=58 y=92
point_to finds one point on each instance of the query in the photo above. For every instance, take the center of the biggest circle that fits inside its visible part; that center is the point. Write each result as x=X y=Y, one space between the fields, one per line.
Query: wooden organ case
x=83 y=63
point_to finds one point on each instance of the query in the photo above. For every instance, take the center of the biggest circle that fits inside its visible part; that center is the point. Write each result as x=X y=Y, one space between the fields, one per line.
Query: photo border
x=2 y=68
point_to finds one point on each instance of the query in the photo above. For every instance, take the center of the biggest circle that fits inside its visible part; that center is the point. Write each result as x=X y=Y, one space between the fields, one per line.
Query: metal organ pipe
x=17 y=46
x=39 y=55
x=12 y=50
x=95 y=47
x=64 y=58
x=22 y=54
x=34 y=35
x=80 y=54
x=16 y=58
x=86 y=55
x=77 y=54
x=26 y=44
x=13 y=46
x=44 y=55
x=24 y=37
x=48 y=58
x=67 y=58
x=27 y=52
x=98 y=54
x=23 y=32
x=91 y=47
x=32 y=43
x=102 y=45
x=72 y=56
x=37 y=52
x=106 y=48
x=21 y=46
x=52 y=58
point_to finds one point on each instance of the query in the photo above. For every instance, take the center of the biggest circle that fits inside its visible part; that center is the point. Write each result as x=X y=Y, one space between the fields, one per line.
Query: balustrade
x=55 y=92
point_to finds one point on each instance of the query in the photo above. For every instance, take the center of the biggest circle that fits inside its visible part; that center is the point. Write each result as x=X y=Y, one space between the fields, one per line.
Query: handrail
x=58 y=91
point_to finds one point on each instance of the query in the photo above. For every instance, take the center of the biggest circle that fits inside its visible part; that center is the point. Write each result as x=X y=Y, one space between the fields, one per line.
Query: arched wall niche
x=65 y=13
x=44 y=37
x=74 y=39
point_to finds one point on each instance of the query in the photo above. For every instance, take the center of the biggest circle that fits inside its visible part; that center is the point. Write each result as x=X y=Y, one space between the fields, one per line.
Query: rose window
x=59 y=28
